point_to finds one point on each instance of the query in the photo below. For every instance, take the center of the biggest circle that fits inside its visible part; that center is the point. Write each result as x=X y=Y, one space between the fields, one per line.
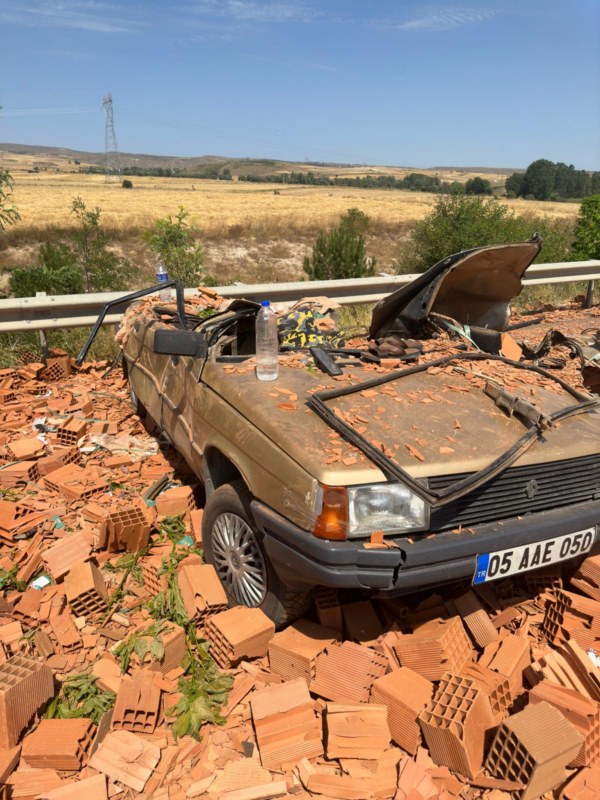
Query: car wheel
x=233 y=545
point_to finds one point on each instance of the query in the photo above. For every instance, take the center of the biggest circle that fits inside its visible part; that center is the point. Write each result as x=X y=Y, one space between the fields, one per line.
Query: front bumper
x=300 y=559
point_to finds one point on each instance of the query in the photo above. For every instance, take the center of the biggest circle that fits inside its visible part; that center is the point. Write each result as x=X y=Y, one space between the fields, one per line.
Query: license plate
x=502 y=563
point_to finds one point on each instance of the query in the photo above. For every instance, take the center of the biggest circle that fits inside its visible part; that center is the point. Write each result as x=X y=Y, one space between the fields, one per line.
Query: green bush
x=587 y=230
x=102 y=269
x=478 y=185
x=8 y=213
x=56 y=273
x=174 y=241
x=459 y=223
x=341 y=253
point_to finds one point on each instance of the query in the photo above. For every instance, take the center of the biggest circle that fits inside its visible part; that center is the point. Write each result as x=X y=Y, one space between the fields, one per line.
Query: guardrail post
x=589 y=295
x=42 y=335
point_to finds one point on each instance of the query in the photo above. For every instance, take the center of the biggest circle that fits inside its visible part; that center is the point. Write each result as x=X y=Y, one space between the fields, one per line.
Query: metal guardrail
x=44 y=312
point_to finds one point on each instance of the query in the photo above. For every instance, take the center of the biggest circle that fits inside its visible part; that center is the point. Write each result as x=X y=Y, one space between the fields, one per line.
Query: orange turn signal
x=332 y=522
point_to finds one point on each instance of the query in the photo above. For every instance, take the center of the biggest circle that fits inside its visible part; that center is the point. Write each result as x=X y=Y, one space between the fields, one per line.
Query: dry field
x=44 y=201
x=252 y=232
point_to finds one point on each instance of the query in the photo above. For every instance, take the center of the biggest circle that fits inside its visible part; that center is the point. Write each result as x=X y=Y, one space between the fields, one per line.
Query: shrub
x=127 y=184
x=57 y=273
x=459 y=223
x=174 y=241
x=478 y=185
x=341 y=253
x=102 y=269
x=587 y=230
x=8 y=213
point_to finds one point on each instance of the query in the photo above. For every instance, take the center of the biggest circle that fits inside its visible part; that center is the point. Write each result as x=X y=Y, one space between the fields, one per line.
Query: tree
x=587 y=230
x=56 y=273
x=174 y=241
x=8 y=213
x=341 y=253
x=102 y=269
x=456 y=187
x=513 y=184
x=478 y=185
x=459 y=223
x=539 y=179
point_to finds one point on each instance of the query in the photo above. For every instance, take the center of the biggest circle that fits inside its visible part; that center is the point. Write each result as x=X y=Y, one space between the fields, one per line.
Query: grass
x=13 y=346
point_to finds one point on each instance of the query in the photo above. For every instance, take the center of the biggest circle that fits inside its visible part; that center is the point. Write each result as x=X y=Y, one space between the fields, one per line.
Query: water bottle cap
x=265 y=302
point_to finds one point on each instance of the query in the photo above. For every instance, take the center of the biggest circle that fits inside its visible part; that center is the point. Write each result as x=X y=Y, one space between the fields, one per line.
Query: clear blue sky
x=405 y=83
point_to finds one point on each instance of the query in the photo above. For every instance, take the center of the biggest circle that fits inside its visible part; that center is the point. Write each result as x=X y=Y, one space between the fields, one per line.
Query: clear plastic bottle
x=267 y=343
x=162 y=276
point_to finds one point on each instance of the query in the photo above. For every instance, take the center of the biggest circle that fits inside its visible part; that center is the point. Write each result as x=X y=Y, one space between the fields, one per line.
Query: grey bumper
x=300 y=559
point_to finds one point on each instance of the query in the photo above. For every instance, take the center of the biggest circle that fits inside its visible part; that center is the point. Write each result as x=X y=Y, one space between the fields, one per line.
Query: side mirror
x=180 y=343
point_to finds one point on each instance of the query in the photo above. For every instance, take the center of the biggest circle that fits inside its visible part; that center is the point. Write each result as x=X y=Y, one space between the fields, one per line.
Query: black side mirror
x=180 y=343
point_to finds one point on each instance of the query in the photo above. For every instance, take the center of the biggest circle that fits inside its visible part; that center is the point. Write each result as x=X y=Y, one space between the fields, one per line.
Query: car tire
x=234 y=546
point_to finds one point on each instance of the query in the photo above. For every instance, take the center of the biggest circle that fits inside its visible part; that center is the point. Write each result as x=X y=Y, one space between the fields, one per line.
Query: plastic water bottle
x=267 y=343
x=162 y=276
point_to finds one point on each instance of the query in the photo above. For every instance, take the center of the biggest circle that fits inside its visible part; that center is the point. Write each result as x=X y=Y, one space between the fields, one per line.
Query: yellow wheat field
x=44 y=200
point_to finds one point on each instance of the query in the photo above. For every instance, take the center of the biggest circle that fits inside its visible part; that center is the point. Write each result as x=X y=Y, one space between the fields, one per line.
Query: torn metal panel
x=474 y=287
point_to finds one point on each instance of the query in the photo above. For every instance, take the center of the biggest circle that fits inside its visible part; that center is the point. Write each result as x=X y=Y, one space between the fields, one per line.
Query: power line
x=42 y=112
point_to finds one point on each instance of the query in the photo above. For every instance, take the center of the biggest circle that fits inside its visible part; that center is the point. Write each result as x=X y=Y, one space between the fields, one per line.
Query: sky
x=388 y=82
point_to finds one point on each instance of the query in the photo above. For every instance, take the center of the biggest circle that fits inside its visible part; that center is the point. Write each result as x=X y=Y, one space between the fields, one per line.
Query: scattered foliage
x=138 y=643
x=8 y=580
x=80 y=696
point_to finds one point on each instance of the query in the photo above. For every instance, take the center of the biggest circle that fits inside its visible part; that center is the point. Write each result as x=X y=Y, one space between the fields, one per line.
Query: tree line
x=209 y=173
x=547 y=180
x=414 y=182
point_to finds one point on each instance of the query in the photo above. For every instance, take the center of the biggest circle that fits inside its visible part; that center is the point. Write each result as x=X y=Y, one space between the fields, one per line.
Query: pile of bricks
x=488 y=692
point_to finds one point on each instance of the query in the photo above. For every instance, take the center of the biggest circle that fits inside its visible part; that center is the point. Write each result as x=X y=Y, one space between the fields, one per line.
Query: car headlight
x=385 y=507
x=354 y=511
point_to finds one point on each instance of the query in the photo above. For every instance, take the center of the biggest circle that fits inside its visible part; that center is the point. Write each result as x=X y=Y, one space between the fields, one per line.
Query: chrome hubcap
x=238 y=560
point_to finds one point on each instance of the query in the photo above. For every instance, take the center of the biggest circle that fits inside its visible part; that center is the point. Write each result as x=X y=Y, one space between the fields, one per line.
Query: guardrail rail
x=45 y=312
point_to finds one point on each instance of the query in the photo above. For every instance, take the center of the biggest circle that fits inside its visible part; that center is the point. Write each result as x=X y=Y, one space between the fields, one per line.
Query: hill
x=18 y=157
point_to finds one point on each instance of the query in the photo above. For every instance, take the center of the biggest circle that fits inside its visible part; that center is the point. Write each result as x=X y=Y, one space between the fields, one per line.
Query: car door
x=179 y=383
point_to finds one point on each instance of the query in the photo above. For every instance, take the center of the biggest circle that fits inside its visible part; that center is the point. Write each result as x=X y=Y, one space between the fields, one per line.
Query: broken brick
x=293 y=652
x=61 y=744
x=239 y=633
x=534 y=747
x=405 y=694
x=25 y=686
x=356 y=731
x=201 y=591
x=137 y=707
x=287 y=728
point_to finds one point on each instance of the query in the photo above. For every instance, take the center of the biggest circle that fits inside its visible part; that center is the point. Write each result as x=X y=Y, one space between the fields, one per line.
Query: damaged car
x=436 y=448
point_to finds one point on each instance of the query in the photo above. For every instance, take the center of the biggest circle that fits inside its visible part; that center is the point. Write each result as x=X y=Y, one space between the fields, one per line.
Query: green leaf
x=140 y=648
x=182 y=725
x=157 y=649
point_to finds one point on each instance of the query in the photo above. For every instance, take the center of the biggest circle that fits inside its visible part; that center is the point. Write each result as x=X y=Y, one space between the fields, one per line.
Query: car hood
x=474 y=287
x=432 y=422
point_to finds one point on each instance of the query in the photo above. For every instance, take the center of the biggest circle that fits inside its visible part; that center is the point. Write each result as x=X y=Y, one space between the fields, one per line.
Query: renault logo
x=532 y=489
